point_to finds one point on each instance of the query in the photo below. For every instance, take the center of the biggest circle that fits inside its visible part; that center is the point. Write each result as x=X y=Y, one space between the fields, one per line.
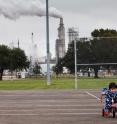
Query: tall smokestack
x=61 y=30
x=18 y=43
x=61 y=21
x=60 y=42
x=32 y=37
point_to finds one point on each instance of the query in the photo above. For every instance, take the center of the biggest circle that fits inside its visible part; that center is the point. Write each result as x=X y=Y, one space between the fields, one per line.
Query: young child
x=109 y=93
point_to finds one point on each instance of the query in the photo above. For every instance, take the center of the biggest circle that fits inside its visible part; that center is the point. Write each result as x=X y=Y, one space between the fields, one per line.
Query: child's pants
x=108 y=104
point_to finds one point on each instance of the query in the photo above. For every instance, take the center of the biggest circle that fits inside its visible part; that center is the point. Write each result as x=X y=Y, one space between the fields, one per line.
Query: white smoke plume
x=14 y=9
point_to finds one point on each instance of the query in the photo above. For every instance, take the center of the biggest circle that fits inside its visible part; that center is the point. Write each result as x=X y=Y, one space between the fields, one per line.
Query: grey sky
x=84 y=14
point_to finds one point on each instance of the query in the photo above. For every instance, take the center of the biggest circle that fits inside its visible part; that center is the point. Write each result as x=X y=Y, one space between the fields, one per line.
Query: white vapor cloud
x=14 y=9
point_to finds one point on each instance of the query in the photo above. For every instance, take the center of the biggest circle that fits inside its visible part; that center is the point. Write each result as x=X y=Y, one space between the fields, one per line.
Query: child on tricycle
x=110 y=102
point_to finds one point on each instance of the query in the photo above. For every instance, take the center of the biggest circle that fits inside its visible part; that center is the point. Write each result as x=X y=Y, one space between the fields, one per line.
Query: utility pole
x=48 y=45
x=75 y=51
x=76 y=35
x=73 y=36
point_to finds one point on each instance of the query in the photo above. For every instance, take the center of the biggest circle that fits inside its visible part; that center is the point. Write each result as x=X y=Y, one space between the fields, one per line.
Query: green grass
x=31 y=84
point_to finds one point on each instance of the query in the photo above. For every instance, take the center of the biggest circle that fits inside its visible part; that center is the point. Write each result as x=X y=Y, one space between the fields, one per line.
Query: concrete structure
x=43 y=63
x=33 y=55
x=60 y=42
x=73 y=34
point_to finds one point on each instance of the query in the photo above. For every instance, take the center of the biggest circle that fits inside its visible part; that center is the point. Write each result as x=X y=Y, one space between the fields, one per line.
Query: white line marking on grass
x=92 y=95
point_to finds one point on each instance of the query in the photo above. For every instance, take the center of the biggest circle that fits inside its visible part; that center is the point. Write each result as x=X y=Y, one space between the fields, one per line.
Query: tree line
x=102 y=48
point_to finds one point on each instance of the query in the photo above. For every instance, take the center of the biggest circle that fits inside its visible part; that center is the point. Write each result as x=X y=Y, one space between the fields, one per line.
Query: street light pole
x=76 y=35
x=75 y=51
x=48 y=46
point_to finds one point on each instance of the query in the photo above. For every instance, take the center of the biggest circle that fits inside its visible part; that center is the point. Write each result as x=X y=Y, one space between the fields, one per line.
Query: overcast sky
x=83 y=14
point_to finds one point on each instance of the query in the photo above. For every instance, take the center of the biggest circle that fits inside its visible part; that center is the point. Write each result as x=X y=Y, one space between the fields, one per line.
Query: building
x=60 y=42
x=73 y=34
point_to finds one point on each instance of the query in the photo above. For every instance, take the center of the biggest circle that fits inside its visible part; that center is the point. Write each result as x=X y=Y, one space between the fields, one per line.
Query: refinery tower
x=60 y=42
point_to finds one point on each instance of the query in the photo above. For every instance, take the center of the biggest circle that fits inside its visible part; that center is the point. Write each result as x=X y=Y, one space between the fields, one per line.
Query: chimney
x=32 y=37
x=61 y=21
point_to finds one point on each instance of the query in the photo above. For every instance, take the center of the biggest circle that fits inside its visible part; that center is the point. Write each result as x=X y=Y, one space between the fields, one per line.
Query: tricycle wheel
x=113 y=112
x=102 y=112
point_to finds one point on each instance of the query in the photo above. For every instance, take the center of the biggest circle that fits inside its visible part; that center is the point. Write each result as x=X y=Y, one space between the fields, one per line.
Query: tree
x=83 y=55
x=37 y=68
x=58 y=69
x=4 y=59
x=104 y=33
x=68 y=60
x=12 y=59
x=103 y=50
x=18 y=59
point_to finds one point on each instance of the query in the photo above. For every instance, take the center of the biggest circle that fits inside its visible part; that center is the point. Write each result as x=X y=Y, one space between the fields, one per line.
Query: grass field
x=29 y=84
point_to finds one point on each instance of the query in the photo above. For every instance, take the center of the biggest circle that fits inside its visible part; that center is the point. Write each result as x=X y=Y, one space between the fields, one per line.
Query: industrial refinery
x=60 y=42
